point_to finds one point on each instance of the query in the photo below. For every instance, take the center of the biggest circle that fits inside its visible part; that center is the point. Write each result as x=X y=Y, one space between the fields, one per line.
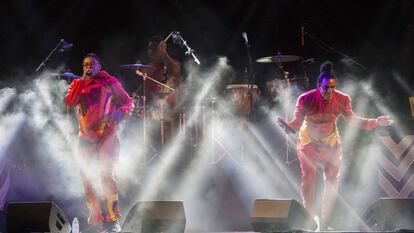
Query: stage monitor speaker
x=156 y=217
x=388 y=214
x=36 y=217
x=271 y=215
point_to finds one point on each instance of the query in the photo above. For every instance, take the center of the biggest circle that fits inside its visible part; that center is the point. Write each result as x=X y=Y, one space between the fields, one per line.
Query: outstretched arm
x=362 y=122
x=173 y=66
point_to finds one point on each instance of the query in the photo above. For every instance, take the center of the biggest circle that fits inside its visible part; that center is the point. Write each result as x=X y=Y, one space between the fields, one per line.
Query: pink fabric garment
x=99 y=180
x=97 y=99
x=101 y=101
x=319 y=143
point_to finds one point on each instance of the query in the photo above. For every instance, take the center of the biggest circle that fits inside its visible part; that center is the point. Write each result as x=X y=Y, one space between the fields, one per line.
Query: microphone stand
x=251 y=75
x=334 y=50
x=177 y=38
x=287 y=85
x=145 y=77
x=50 y=54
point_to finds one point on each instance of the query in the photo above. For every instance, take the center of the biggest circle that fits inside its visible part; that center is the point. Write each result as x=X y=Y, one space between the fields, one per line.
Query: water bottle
x=75 y=225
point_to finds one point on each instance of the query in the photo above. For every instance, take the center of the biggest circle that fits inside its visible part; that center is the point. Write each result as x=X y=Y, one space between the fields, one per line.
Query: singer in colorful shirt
x=101 y=103
x=319 y=142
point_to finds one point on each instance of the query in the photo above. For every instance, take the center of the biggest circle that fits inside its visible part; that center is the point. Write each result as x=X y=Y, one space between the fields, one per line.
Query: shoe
x=318 y=224
x=326 y=227
x=112 y=227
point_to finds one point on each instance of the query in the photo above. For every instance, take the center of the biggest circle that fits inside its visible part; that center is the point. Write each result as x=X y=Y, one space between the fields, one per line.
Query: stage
x=217 y=120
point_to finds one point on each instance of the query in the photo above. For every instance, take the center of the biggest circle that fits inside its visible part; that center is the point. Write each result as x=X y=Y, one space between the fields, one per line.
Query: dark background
x=379 y=35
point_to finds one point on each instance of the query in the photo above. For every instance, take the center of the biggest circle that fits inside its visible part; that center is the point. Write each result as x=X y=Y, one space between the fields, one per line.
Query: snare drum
x=238 y=95
x=241 y=99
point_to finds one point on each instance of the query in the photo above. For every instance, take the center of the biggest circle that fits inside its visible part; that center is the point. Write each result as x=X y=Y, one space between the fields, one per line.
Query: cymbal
x=279 y=59
x=134 y=66
x=66 y=75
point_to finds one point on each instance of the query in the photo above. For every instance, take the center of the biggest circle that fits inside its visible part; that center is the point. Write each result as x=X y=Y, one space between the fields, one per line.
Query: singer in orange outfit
x=319 y=142
x=101 y=103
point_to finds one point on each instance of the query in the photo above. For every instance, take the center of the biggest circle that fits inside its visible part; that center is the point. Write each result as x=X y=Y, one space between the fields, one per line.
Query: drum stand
x=251 y=75
x=144 y=103
x=215 y=158
x=286 y=103
x=287 y=94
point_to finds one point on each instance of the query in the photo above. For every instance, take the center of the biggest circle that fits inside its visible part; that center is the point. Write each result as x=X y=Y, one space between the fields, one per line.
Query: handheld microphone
x=285 y=125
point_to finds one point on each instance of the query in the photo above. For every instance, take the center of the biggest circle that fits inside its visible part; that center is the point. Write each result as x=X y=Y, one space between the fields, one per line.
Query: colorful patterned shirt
x=97 y=99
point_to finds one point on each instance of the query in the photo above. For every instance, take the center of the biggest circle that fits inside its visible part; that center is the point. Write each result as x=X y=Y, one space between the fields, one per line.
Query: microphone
x=244 y=35
x=177 y=39
x=65 y=46
x=303 y=37
x=284 y=125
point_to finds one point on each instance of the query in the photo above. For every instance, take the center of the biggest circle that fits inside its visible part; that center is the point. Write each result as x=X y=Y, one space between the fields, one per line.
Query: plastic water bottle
x=75 y=225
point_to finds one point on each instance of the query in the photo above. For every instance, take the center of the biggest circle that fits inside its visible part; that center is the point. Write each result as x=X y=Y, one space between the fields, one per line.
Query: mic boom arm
x=61 y=46
x=178 y=39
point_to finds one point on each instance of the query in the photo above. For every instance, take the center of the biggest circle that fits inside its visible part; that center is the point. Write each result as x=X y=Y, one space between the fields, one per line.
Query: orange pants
x=98 y=161
x=329 y=158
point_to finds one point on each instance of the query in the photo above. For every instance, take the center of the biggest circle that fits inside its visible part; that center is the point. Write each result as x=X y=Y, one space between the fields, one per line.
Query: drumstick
x=168 y=37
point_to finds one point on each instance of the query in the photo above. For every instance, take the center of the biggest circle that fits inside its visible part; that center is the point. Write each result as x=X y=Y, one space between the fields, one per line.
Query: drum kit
x=242 y=96
x=158 y=108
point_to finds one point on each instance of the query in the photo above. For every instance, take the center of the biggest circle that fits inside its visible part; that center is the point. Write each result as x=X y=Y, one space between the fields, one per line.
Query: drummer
x=163 y=68
x=163 y=100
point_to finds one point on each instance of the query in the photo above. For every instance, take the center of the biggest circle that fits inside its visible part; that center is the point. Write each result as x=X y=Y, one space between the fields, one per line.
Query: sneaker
x=112 y=227
x=318 y=224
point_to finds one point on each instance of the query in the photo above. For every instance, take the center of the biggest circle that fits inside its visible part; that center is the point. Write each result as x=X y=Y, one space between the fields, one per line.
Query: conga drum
x=243 y=97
